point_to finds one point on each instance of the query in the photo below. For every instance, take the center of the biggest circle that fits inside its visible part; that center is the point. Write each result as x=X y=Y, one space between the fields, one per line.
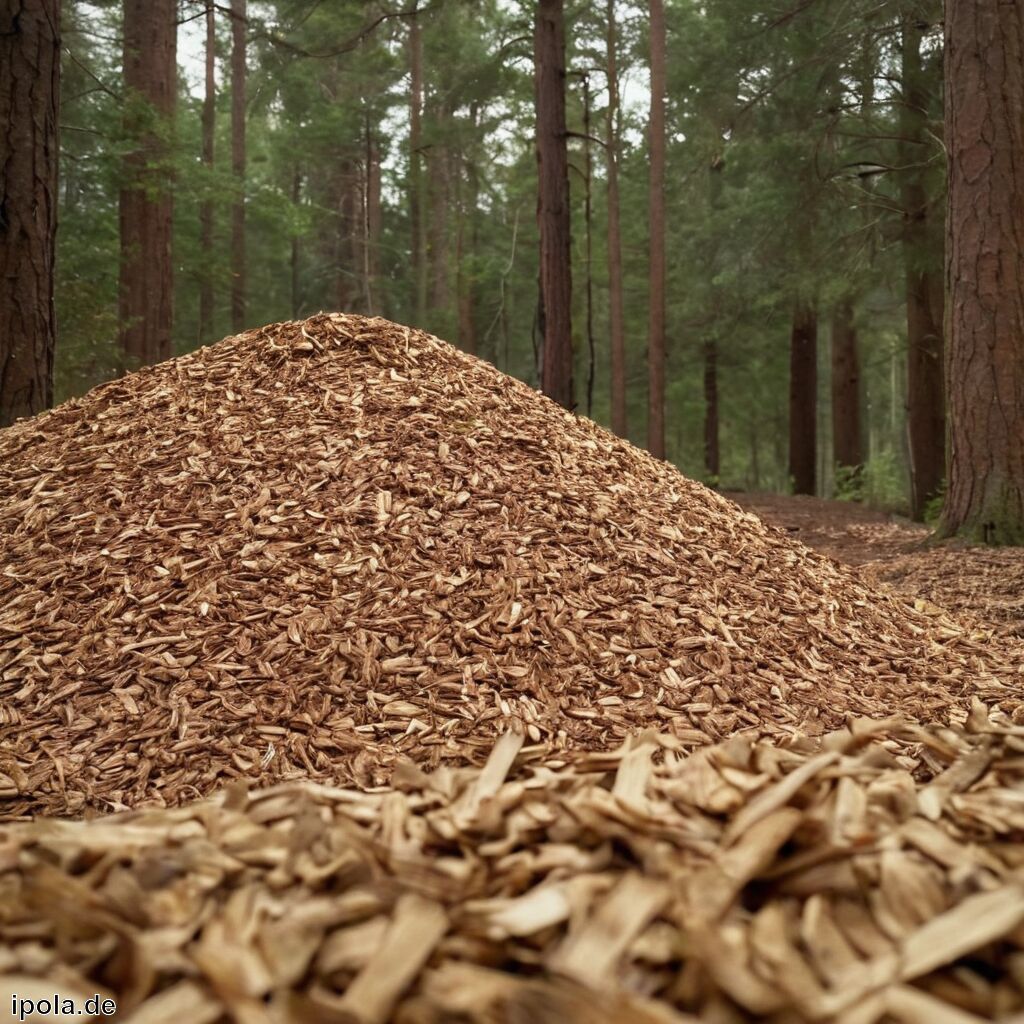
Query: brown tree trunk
x=553 y=201
x=345 y=247
x=922 y=247
x=803 y=398
x=206 y=212
x=238 y=254
x=373 y=220
x=437 y=165
x=984 y=255
x=846 y=429
x=616 y=317
x=712 y=452
x=464 y=281
x=146 y=292
x=296 y=282
x=656 y=231
x=29 y=102
x=419 y=238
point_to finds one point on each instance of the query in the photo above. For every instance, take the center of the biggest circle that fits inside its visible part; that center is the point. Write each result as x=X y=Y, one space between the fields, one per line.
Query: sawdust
x=318 y=547
x=874 y=874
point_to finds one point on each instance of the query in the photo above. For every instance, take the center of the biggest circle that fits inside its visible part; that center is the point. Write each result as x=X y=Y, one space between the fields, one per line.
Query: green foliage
x=784 y=182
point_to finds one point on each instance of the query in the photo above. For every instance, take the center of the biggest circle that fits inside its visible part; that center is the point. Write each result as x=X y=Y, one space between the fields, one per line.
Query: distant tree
x=29 y=96
x=206 y=209
x=146 y=304
x=418 y=240
x=616 y=316
x=553 y=201
x=239 y=26
x=984 y=256
x=803 y=406
x=847 y=451
x=656 y=234
x=922 y=249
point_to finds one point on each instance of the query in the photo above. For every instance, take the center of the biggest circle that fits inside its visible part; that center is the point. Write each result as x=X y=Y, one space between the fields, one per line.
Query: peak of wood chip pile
x=318 y=547
x=873 y=874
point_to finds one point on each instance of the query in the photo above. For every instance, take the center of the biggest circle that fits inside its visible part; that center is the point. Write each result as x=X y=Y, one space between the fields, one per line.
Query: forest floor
x=985 y=583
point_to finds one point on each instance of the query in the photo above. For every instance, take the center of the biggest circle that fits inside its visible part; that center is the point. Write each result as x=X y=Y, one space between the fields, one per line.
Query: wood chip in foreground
x=828 y=887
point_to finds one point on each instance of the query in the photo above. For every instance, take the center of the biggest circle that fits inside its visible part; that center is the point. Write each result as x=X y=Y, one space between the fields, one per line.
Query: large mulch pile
x=318 y=547
x=874 y=874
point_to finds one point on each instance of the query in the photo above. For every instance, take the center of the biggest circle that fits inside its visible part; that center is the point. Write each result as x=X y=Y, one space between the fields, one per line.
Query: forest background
x=387 y=165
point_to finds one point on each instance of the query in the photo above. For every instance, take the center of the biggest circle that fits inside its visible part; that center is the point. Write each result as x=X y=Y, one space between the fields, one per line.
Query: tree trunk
x=29 y=103
x=984 y=255
x=847 y=451
x=712 y=453
x=437 y=166
x=656 y=231
x=296 y=282
x=464 y=280
x=206 y=209
x=588 y=178
x=146 y=207
x=922 y=247
x=238 y=267
x=803 y=398
x=418 y=238
x=553 y=202
x=345 y=249
x=615 y=306
x=371 y=267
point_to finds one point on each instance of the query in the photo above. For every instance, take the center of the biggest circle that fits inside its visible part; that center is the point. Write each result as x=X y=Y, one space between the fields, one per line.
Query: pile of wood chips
x=874 y=873
x=316 y=548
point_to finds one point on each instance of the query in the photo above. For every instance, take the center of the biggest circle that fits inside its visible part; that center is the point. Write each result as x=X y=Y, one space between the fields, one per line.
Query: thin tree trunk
x=238 y=254
x=345 y=247
x=803 y=399
x=418 y=238
x=588 y=222
x=29 y=105
x=553 y=202
x=146 y=207
x=656 y=231
x=296 y=255
x=712 y=452
x=984 y=256
x=464 y=280
x=373 y=220
x=615 y=305
x=206 y=209
x=847 y=452
x=437 y=165
x=922 y=247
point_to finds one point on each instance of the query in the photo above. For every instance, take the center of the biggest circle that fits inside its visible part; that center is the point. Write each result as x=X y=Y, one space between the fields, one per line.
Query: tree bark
x=418 y=236
x=29 y=103
x=296 y=254
x=984 y=255
x=847 y=451
x=371 y=267
x=712 y=451
x=238 y=253
x=922 y=247
x=803 y=399
x=553 y=202
x=464 y=280
x=656 y=231
x=146 y=287
x=440 y=293
x=206 y=210
x=615 y=304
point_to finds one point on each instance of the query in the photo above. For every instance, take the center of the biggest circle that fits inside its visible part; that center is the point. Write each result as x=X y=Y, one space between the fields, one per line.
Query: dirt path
x=987 y=583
